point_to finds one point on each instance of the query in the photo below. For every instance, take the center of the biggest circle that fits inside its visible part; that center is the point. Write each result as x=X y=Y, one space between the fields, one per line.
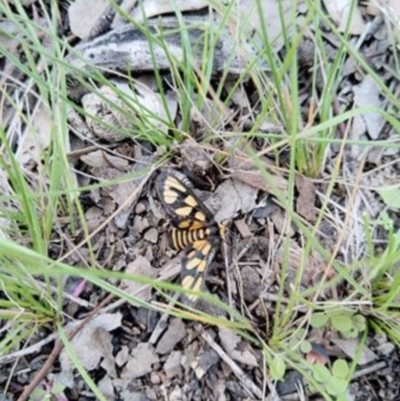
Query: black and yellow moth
x=194 y=229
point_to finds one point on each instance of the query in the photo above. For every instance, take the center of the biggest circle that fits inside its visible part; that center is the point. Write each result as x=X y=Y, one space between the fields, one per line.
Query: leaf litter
x=189 y=360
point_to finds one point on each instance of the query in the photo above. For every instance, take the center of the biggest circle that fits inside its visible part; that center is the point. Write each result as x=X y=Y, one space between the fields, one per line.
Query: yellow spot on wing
x=184 y=224
x=191 y=201
x=183 y=211
x=200 y=216
x=196 y=286
x=193 y=263
x=174 y=183
x=191 y=283
x=187 y=282
x=202 y=266
x=196 y=225
x=170 y=196
x=191 y=254
x=199 y=245
x=206 y=249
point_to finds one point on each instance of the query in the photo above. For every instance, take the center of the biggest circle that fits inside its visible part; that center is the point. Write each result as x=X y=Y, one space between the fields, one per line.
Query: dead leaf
x=351 y=346
x=244 y=170
x=176 y=332
x=150 y=8
x=94 y=218
x=172 y=366
x=281 y=222
x=125 y=189
x=150 y=105
x=35 y=141
x=103 y=117
x=118 y=192
x=84 y=15
x=367 y=94
x=233 y=197
x=236 y=348
x=390 y=9
x=313 y=264
x=99 y=158
x=142 y=267
x=194 y=157
x=95 y=337
x=274 y=14
x=255 y=179
x=339 y=11
x=10 y=36
x=305 y=202
x=108 y=117
x=209 y=117
x=140 y=362
x=240 y=98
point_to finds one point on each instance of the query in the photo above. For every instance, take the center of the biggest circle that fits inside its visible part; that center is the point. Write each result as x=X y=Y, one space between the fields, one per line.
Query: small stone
x=386 y=349
x=155 y=378
x=151 y=235
x=140 y=362
x=204 y=362
x=140 y=224
x=251 y=284
x=149 y=254
x=177 y=394
x=243 y=228
x=172 y=366
x=140 y=208
x=176 y=332
x=122 y=356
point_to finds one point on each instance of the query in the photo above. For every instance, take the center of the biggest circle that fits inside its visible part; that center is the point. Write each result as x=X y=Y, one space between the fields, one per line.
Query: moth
x=194 y=229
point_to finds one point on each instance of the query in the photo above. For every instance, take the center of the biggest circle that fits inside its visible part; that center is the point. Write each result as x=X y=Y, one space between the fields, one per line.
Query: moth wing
x=198 y=256
x=176 y=194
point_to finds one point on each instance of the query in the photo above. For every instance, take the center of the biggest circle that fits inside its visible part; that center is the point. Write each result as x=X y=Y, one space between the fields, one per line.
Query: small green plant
x=277 y=367
x=45 y=393
x=335 y=380
x=347 y=323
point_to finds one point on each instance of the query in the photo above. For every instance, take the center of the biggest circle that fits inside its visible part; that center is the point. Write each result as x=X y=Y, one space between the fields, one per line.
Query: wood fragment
x=128 y=48
x=248 y=384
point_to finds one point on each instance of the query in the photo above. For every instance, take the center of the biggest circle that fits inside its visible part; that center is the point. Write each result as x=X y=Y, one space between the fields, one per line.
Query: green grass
x=35 y=203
